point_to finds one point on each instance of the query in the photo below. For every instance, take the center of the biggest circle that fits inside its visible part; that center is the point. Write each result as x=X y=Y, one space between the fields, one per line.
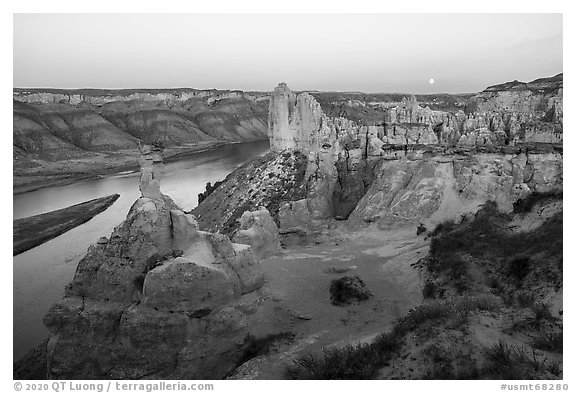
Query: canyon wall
x=53 y=123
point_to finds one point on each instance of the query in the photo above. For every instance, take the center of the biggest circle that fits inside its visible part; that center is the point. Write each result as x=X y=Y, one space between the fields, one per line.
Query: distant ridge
x=550 y=82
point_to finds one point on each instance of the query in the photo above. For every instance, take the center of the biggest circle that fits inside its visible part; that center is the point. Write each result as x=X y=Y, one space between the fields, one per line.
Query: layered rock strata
x=59 y=124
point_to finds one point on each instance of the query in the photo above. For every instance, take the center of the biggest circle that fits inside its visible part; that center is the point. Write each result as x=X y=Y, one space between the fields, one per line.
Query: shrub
x=525 y=299
x=519 y=267
x=443 y=227
x=420 y=230
x=526 y=204
x=555 y=368
x=441 y=363
x=346 y=289
x=493 y=282
x=541 y=311
x=209 y=190
x=553 y=342
x=429 y=290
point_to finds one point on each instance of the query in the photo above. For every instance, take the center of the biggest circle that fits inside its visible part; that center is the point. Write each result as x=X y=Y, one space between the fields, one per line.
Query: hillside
x=79 y=133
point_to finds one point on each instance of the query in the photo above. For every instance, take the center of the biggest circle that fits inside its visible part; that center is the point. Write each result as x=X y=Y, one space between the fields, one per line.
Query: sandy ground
x=298 y=297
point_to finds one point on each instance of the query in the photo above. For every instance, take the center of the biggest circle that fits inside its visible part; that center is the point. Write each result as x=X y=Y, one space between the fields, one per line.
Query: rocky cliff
x=417 y=161
x=413 y=164
x=50 y=123
x=157 y=299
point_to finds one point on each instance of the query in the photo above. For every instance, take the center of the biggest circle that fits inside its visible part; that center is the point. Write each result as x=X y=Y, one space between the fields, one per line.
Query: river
x=41 y=273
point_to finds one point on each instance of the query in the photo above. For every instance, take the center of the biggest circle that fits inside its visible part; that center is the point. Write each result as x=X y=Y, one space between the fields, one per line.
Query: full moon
x=431 y=81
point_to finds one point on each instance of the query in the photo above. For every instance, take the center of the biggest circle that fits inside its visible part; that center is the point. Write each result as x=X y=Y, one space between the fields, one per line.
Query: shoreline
x=131 y=166
x=30 y=232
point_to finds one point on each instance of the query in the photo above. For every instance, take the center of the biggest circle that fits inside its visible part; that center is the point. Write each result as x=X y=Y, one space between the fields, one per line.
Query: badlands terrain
x=62 y=136
x=383 y=236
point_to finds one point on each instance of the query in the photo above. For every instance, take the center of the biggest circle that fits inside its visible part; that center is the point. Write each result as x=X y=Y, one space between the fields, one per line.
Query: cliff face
x=417 y=160
x=48 y=122
x=158 y=299
x=417 y=189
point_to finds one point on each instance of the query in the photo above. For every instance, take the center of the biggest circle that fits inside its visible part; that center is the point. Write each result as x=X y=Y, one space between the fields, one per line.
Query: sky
x=339 y=52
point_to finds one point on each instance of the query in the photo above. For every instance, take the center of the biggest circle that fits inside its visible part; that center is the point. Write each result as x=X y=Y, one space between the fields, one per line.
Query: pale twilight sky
x=370 y=53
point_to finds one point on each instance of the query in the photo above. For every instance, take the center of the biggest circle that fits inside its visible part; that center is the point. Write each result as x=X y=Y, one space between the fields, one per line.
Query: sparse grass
x=540 y=314
x=360 y=361
x=519 y=267
x=518 y=325
x=550 y=341
x=444 y=310
x=478 y=303
x=452 y=264
x=525 y=299
x=444 y=366
x=363 y=361
x=541 y=311
x=508 y=362
x=416 y=317
x=554 y=368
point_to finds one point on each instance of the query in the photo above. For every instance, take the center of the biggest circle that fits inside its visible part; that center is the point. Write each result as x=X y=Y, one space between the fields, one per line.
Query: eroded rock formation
x=506 y=143
x=259 y=231
x=158 y=299
x=415 y=189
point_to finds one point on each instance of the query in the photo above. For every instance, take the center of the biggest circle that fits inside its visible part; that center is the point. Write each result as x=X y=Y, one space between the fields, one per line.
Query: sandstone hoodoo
x=159 y=298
